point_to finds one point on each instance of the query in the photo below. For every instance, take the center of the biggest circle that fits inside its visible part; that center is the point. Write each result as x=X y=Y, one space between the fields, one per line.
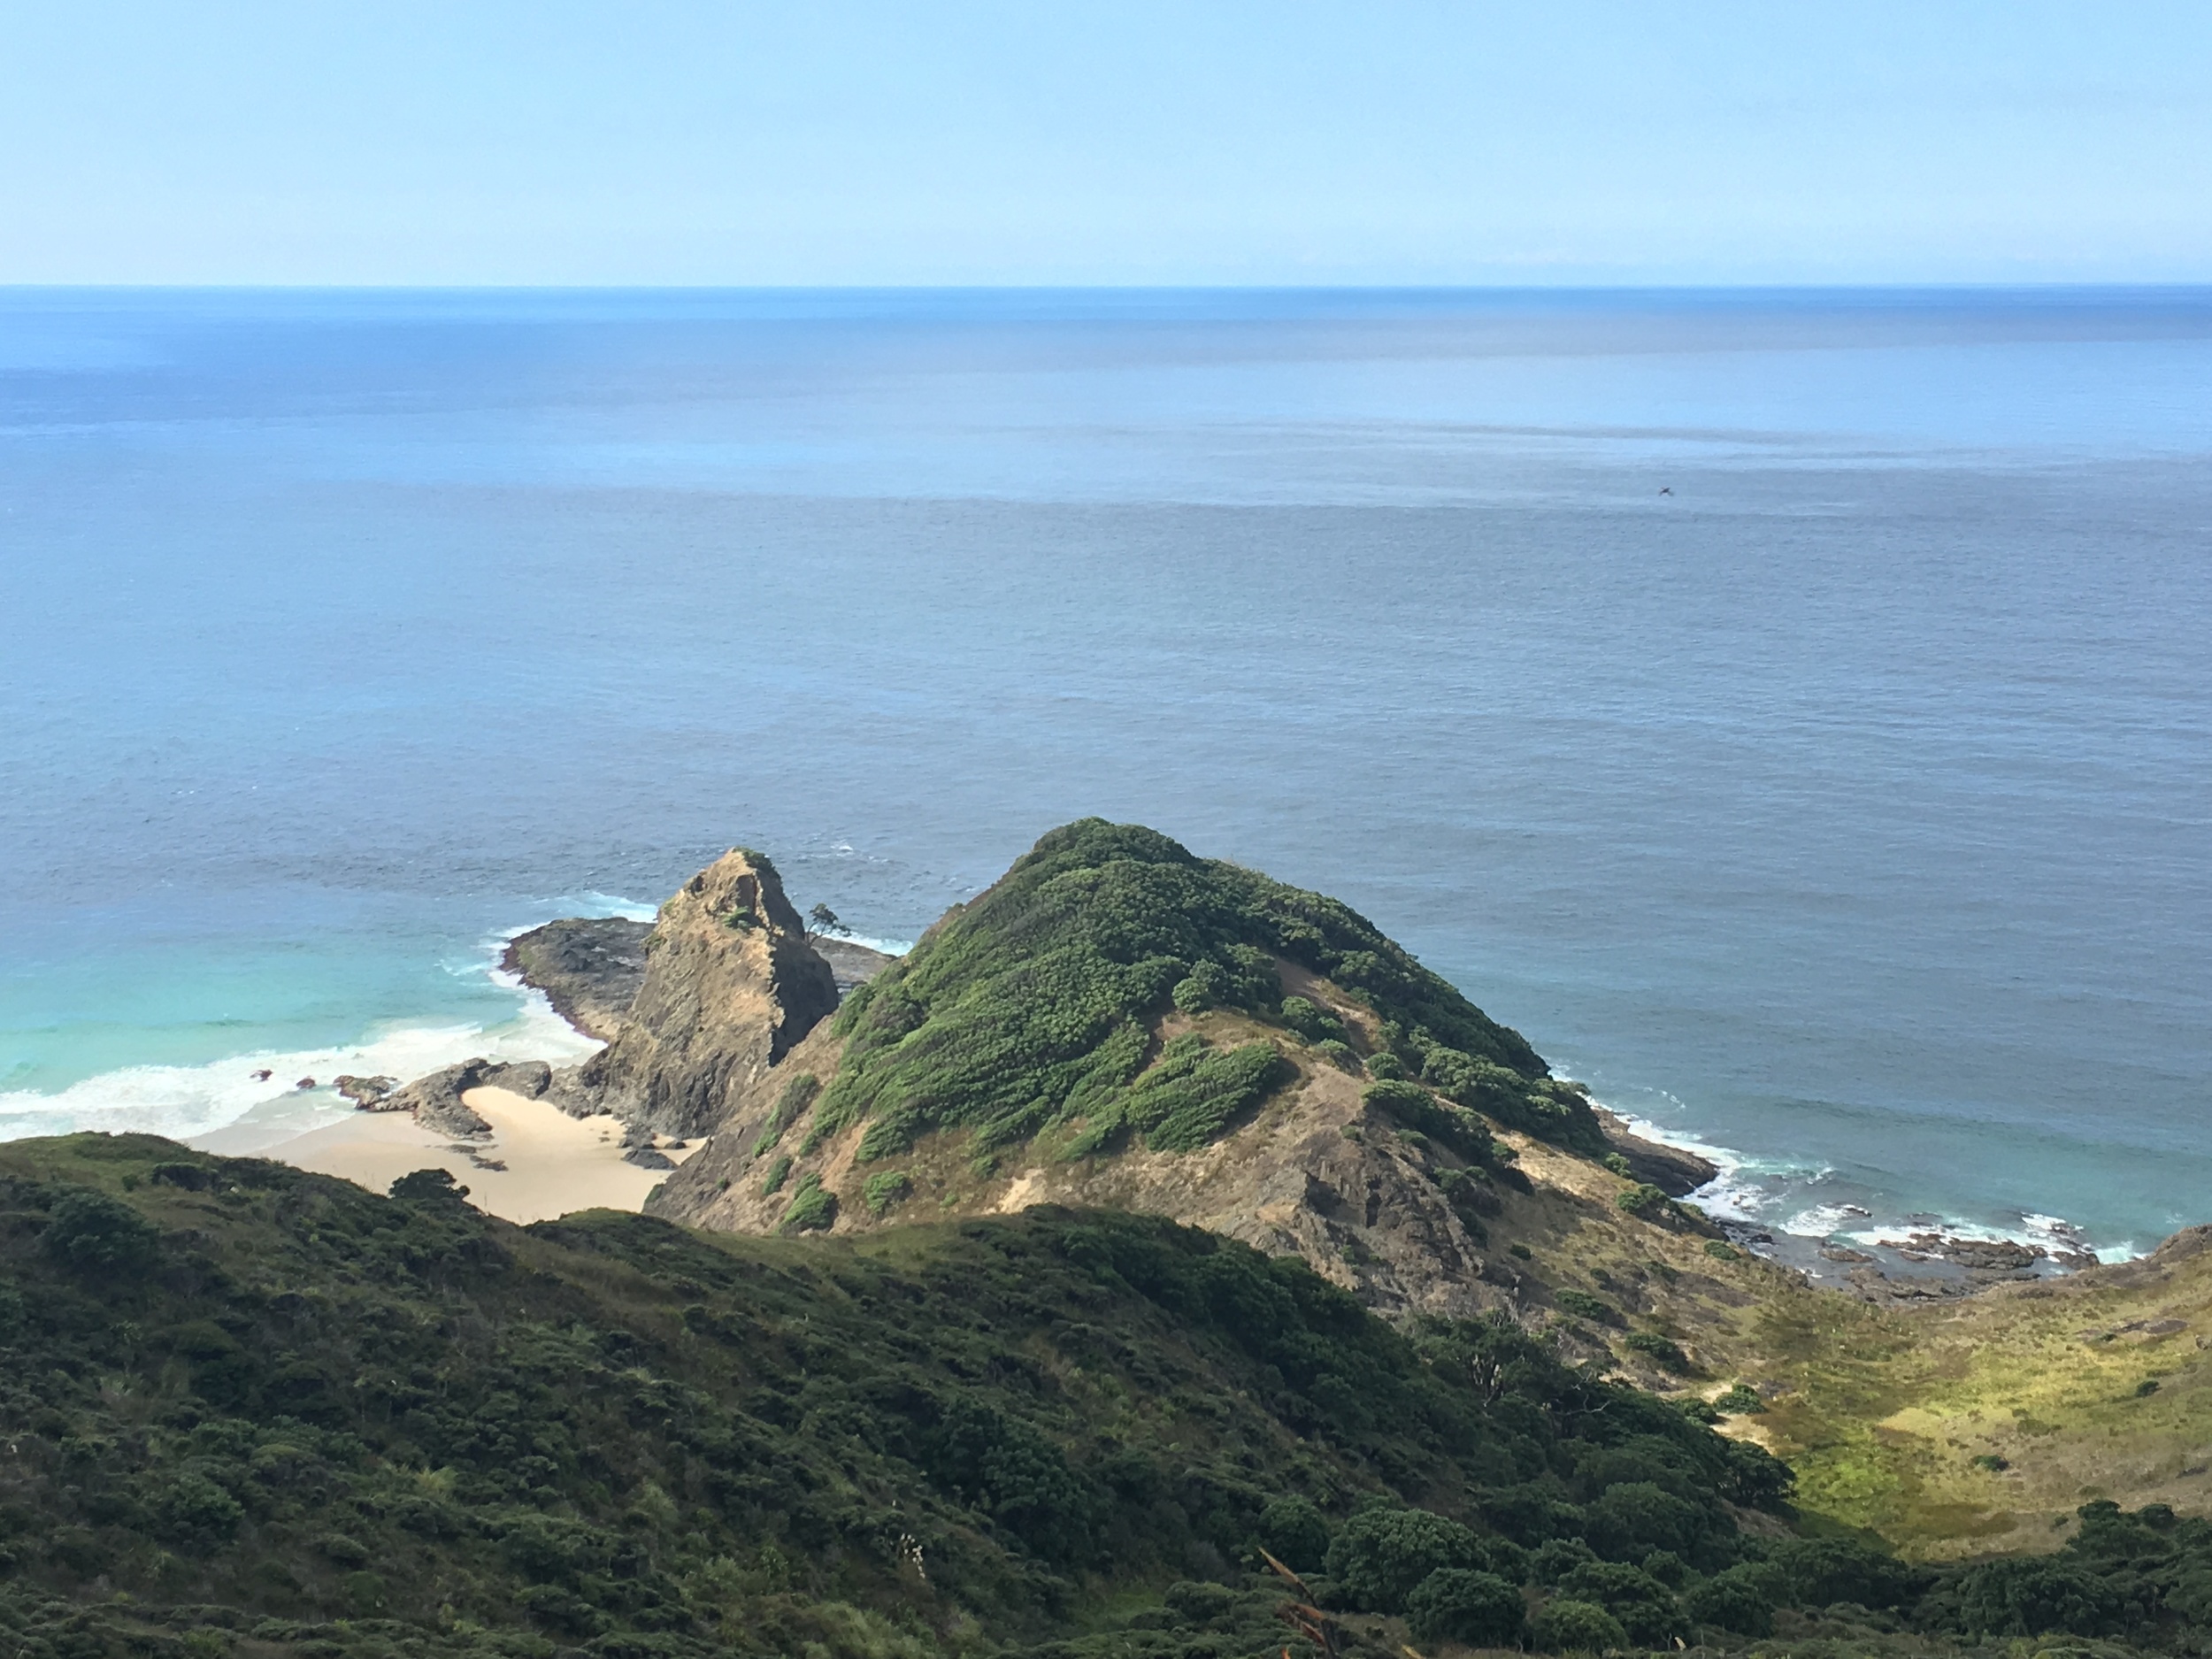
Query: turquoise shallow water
x=1844 y=805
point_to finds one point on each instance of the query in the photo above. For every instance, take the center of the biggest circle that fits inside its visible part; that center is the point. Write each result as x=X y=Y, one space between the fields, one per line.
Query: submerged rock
x=367 y=1094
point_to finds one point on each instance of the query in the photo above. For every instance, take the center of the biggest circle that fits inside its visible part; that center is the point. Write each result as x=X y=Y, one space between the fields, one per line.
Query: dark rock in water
x=731 y=984
x=1839 y=1253
x=850 y=965
x=590 y=969
x=647 y=1158
x=367 y=1094
x=306 y=1082
x=436 y=1101
x=1672 y=1171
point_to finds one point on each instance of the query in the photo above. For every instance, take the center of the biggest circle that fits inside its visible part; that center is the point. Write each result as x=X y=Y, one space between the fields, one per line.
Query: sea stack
x=731 y=984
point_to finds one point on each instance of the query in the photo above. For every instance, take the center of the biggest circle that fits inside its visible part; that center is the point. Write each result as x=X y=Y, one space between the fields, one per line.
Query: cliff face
x=730 y=984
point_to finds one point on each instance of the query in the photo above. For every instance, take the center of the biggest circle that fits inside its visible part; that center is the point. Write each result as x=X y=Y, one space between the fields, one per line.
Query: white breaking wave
x=224 y=1102
x=1739 y=1194
x=223 y=1106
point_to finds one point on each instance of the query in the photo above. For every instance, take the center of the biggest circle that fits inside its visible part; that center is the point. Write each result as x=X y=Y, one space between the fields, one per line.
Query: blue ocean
x=1792 y=709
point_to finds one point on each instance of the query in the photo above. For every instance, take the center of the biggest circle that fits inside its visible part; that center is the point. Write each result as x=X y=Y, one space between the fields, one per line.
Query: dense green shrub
x=1295 y=1532
x=1646 y=1608
x=1741 y=1400
x=1630 y=1518
x=1381 y=1555
x=1188 y=1098
x=1644 y=1200
x=885 y=1189
x=1566 y=1626
x=97 y=1234
x=813 y=1207
x=1661 y=1352
x=1421 y=1110
x=1031 y=1005
x=1312 y=1021
x=779 y=1173
x=1741 y=1599
x=1464 y=1605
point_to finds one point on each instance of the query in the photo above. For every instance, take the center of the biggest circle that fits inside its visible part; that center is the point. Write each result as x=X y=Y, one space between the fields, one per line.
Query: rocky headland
x=1118 y=1026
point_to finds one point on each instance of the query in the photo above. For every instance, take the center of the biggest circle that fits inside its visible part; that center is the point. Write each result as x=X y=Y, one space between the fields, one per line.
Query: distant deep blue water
x=1793 y=711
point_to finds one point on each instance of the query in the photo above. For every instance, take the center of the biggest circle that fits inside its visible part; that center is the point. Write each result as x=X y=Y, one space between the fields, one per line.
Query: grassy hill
x=246 y=1409
x=1035 y=1006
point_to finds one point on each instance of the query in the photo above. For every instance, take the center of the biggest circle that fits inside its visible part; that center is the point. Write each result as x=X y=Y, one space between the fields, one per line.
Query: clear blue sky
x=1062 y=141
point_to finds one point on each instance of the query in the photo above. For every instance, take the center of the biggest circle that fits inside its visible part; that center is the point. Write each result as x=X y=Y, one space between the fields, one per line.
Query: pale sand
x=555 y=1163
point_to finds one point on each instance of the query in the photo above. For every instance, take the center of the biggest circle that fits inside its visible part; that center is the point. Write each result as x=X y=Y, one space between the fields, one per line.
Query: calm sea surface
x=1793 y=711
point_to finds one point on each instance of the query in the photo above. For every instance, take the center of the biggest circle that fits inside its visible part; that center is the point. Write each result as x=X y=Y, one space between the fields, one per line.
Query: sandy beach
x=554 y=1163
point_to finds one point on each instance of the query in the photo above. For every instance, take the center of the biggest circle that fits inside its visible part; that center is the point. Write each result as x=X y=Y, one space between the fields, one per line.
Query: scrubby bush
x=429 y=1187
x=1741 y=1400
x=1741 y=1599
x=884 y=1190
x=1189 y=1097
x=1644 y=1200
x=1583 y=1305
x=1337 y=1054
x=1646 y=1608
x=1418 y=1110
x=1565 y=1627
x=1656 y=1348
x=97 y=1234
x=779 y=1173
x=1630 y=1518
x=1462 y=1605
x=1381 y=1555
x=1295 y=1532
x=1312 y=1021
x=813 y=1207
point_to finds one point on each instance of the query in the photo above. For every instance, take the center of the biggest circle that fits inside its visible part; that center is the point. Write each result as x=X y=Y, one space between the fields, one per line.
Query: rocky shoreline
x=696 y=1006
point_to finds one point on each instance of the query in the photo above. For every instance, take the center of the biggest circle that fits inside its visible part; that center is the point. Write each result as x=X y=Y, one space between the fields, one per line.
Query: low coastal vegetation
x=1036 y=1005
x=252 y=1411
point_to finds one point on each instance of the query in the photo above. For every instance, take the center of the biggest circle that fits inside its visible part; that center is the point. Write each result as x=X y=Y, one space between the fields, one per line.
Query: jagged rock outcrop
x=731 y=983
x=435 y=1100
x=365 y=1092
x=590 y=969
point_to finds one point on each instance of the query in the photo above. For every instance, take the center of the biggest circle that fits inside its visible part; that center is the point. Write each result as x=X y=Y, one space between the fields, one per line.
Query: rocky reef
x=590 y=969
